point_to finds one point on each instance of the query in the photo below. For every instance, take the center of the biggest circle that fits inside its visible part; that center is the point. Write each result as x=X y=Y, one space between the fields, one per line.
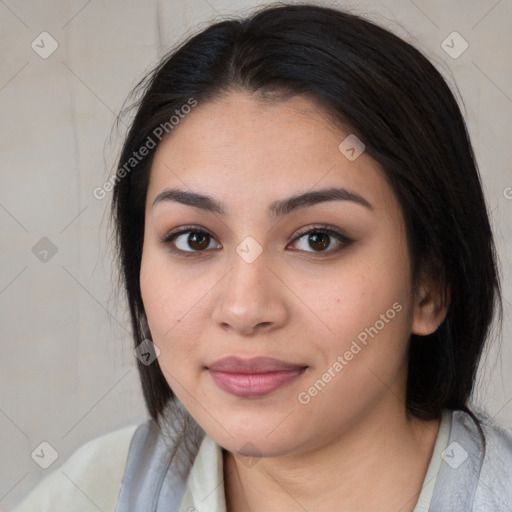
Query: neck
x=377 y=464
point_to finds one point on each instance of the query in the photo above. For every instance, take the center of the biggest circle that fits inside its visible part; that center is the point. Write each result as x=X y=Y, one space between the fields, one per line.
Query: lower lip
x=253 y=385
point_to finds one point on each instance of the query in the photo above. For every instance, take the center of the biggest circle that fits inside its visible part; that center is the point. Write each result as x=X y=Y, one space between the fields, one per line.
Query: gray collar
x=459 y=475
x=158 y=464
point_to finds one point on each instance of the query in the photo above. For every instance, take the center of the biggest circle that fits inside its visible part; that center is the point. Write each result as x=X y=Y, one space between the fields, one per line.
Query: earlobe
x=430 y=311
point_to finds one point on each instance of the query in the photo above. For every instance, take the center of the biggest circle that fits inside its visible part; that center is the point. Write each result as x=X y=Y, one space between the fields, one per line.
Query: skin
x=353 y=446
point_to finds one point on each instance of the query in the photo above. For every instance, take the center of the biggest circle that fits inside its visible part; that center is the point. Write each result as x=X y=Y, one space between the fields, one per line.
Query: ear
x=430 y=309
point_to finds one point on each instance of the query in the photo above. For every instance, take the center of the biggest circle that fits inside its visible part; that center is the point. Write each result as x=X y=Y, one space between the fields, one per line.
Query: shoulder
x=495 y=484
x=494 y=489
x=496 y=435
x=498 y=440
x=90 y=479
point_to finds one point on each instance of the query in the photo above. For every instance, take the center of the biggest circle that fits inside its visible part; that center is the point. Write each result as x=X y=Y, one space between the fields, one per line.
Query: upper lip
x=235 y=364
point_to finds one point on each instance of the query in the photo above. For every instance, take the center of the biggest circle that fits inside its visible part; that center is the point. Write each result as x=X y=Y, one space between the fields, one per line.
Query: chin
x=255 y=443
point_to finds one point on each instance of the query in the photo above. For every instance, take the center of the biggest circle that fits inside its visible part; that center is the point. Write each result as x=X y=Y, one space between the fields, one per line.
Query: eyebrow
x=278 y=208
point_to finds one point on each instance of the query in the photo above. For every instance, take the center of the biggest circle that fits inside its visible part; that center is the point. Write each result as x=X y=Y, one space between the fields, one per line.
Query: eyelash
x=319 y=228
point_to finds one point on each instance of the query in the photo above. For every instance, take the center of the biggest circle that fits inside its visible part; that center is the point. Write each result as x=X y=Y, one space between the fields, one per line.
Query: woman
x=311 y=277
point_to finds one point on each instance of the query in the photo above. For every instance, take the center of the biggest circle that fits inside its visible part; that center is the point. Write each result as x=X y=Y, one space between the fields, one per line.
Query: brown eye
x=198 y=241
x=189 y=242
x=320 y=239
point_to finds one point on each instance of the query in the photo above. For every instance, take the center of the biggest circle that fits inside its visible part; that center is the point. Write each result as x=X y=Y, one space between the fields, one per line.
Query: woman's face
x=251 y=282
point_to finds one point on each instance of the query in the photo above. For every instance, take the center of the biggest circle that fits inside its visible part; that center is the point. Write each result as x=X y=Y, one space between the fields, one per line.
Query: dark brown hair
x=401 y=108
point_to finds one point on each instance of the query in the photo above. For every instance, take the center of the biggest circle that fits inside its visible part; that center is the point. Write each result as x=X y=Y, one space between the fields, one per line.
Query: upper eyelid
x=183 y=230
x=322 y=227
x=302 y=231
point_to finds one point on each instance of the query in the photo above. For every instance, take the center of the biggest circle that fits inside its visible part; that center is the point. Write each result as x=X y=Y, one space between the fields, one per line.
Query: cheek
x=362 y=361
x=368 y=309
x=173 y=308
x=353 y=295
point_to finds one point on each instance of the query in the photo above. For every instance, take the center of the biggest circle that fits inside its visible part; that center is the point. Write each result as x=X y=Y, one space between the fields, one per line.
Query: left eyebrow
x=277 y=208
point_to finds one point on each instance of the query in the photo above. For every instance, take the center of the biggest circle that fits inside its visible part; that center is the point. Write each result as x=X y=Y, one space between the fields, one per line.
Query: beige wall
x=67 y=373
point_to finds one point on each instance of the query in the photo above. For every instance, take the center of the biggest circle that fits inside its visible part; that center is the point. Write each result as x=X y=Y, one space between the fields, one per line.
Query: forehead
x=240 y=149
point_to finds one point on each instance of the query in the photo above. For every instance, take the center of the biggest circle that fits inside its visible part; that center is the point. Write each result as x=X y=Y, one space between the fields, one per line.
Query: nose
x=250 y=299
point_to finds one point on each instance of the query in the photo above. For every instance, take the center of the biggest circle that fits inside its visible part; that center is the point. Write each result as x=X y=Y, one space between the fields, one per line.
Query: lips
x=252 y=378
x=255 y=365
